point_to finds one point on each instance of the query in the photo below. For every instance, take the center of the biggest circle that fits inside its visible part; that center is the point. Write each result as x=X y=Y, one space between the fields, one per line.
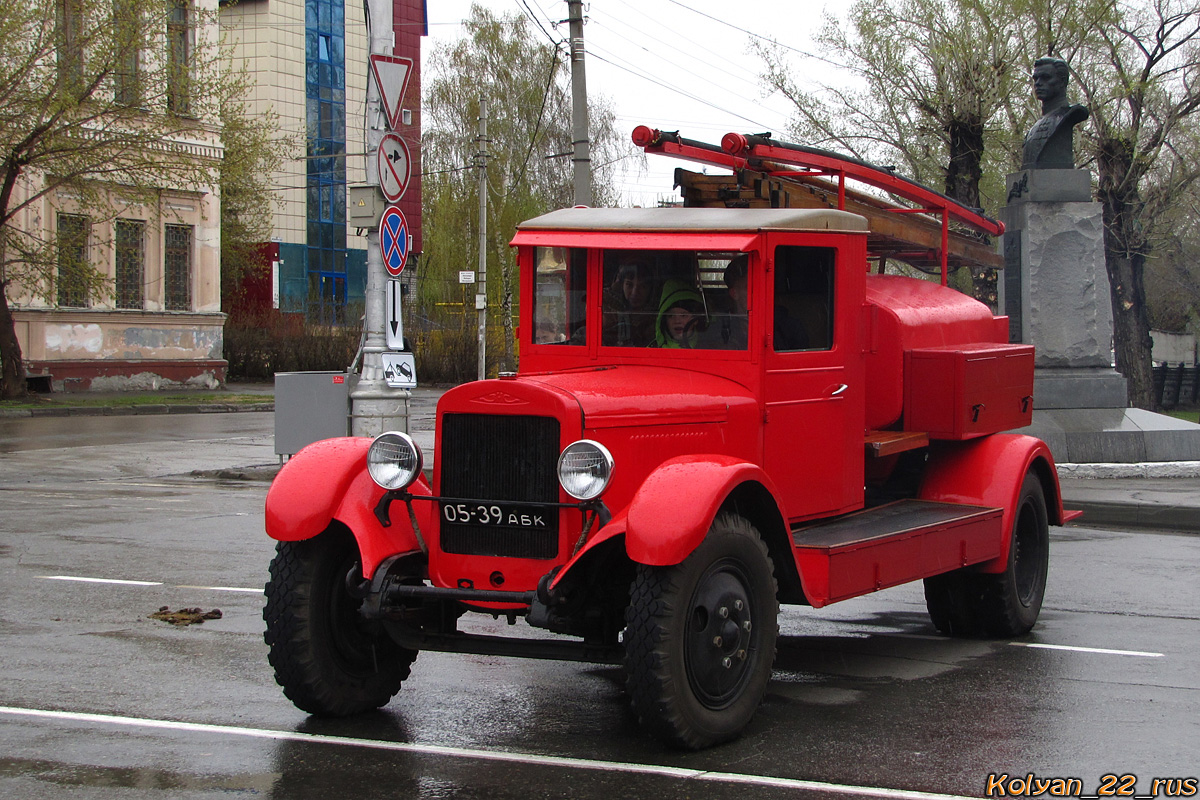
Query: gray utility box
x=310 y=406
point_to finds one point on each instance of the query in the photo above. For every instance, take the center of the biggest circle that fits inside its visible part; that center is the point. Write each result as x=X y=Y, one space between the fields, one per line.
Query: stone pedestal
x=1055 y=288
x=1055 y=293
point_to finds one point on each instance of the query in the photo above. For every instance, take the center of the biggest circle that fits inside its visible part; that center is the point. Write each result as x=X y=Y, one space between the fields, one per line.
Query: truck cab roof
x=693 y=220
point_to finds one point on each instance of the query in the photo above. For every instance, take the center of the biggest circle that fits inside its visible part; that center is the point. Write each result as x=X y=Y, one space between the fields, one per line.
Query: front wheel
x=700 y=637
x=328 y=659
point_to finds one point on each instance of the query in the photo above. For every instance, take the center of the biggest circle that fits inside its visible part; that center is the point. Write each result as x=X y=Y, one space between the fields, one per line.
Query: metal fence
x=1175 y=385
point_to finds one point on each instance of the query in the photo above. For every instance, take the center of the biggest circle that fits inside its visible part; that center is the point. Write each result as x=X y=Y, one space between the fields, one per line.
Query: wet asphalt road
x=99 y=701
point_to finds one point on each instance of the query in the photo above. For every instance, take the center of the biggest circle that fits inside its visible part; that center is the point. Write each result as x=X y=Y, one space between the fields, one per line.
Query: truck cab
x=717 y=411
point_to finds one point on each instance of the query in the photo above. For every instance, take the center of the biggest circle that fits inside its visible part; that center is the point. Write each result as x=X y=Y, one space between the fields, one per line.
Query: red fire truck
x=719 y=409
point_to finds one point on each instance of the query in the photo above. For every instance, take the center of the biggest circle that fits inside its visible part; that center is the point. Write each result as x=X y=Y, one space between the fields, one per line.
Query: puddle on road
x=85 y=775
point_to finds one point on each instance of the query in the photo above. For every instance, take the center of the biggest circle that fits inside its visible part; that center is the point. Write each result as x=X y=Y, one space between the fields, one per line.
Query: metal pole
x=581 y=157
x=481 y=291
x=375 y=406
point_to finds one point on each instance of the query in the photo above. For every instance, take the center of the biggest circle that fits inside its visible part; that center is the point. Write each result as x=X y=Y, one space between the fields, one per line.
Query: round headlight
x=394 y=460
x=584 y=469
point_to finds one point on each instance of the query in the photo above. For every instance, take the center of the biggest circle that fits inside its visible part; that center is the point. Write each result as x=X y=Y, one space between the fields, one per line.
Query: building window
x=179 y=56
x=177 y=267
x=69 y=32
x=131 y=252
x=325 y=93
x=128 y=44
x=73 y=278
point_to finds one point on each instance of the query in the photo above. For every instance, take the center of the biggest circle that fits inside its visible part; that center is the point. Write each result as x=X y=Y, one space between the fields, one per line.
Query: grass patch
x=1187 y=416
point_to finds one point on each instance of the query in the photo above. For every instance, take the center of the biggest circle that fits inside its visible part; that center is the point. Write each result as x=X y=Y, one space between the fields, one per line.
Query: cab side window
x=803 y=315
x=560 y=295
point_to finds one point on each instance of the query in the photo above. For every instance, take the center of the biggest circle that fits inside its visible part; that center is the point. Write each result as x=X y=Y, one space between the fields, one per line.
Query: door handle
x=841 y=388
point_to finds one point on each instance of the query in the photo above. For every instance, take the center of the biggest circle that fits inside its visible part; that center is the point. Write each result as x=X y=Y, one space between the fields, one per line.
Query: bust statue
x=1049 y=143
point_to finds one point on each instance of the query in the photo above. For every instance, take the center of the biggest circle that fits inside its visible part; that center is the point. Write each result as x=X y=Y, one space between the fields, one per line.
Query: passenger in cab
x=680 y=316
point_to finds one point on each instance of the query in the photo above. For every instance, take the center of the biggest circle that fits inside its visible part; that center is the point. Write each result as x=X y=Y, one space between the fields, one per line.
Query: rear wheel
x=963 y=603
x=700 y=637
x=328 y=659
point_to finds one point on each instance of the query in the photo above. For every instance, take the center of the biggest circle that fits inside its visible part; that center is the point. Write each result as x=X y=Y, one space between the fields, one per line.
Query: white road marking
x=223 y=589
x=1103 y=650
x=81 y=579
x=100 y=580
x=483 y=755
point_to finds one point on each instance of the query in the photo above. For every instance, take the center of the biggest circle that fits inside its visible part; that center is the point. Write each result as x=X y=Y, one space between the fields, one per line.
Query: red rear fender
x=989 y=472
x=675 y=506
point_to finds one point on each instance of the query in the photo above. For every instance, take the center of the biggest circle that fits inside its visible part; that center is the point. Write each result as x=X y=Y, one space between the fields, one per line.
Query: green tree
x=98 y=99
x=526 y=82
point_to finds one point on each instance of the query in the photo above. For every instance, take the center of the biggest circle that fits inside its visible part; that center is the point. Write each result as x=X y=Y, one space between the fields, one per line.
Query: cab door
x=813 y=382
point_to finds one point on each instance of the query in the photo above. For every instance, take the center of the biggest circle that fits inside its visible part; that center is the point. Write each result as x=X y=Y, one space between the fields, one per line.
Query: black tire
x=949 y=607
x=700 y=638
x=1011 y=601
x=328 y=659
x=963 y=603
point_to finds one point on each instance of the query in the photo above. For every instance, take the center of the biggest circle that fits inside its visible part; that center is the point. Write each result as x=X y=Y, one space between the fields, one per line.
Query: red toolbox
x=964 y=391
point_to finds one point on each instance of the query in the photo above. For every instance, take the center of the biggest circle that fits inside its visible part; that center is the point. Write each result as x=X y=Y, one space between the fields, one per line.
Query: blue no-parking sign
x=393 y=240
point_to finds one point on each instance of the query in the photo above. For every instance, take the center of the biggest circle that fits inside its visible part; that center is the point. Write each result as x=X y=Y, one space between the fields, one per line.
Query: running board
x=893 y=544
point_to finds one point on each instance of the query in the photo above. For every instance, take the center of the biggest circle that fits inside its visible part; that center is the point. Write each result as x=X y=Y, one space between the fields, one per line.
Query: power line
x=676 y=89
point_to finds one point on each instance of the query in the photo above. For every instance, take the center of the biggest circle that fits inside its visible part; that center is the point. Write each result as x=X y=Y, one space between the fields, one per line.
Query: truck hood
x=624 y=396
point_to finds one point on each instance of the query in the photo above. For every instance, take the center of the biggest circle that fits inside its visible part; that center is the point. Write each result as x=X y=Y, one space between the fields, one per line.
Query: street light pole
x=375 y=406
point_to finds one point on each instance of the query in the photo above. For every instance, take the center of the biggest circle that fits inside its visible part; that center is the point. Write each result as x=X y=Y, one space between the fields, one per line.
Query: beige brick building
x=161 y=323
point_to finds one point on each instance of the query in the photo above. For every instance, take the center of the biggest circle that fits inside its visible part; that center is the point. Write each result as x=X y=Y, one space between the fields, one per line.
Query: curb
x=1144 y=469
x=125 y=411
x=1136 y=516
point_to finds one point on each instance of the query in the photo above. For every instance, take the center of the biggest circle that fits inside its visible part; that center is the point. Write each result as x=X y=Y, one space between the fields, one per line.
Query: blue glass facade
x=326 y=254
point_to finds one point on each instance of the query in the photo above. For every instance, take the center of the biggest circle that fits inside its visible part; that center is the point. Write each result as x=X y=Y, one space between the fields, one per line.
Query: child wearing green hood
x=680 y=316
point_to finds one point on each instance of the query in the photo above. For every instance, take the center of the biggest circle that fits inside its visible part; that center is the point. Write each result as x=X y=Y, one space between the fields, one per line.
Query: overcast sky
x=682 y=65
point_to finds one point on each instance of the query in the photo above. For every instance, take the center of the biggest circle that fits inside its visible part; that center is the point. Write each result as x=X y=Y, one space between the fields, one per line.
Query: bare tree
x=1141 y=80
x=941 y=87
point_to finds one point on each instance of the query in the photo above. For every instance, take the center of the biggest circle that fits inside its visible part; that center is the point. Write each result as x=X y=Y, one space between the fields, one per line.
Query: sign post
x=394 y=327
x=394 y=166
x=378 y=405
x=391 y=76
x=393 y=240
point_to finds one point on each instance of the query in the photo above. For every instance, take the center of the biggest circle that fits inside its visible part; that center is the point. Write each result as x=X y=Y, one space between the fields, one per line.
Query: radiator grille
x=508 y=459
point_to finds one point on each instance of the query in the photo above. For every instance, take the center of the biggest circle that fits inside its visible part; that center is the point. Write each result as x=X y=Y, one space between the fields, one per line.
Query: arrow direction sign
x=391 y=76
x=393 y=240
x=394 y=167
x=394 y=327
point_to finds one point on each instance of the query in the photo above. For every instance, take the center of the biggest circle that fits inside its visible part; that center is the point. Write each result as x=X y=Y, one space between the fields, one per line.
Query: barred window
x=69 y=40
x=127 y=27
x=131 y=253
x=177 y=267
x=179 y=56
x=72 y=283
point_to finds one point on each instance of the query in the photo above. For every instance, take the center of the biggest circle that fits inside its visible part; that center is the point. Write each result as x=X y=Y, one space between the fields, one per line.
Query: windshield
x=649 y=298
x=674 y=299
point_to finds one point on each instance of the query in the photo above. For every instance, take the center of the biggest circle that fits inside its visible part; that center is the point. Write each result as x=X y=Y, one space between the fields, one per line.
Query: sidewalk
x=1149 y=496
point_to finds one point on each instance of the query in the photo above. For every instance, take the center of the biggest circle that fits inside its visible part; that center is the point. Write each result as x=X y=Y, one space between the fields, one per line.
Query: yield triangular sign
x=391 y=76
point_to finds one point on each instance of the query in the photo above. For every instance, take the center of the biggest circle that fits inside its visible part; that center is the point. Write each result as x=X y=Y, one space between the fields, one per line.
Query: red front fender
x=989 y=472
x=675 y=506
x=328 y=480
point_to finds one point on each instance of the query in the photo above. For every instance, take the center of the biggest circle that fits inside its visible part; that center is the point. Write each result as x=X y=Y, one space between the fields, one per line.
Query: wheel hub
x=718 y=640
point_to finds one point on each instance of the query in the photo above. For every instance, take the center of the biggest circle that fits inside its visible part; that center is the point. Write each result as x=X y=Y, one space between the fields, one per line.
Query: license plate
x=498 y=515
